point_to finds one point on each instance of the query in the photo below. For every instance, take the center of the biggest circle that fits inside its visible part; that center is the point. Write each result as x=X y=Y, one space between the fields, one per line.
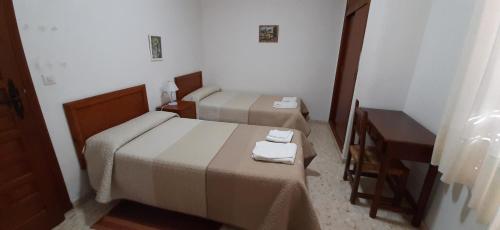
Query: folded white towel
x=285 y=104
x=280 y=136
x=275 y=152
x=288 y=161
x=289 y=99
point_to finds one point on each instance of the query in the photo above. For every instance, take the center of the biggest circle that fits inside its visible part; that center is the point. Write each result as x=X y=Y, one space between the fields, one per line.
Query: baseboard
x=423 y=226
x=83 y=199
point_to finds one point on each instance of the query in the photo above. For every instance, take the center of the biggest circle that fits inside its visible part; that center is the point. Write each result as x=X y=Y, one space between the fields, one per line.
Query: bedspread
x=205 y=168
x=253 y=109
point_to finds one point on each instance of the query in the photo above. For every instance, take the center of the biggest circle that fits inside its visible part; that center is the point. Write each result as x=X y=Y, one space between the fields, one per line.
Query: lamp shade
x=171 y=87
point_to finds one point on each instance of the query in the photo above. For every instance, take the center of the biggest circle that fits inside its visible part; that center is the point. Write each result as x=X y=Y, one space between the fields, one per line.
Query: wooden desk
x=398 y=136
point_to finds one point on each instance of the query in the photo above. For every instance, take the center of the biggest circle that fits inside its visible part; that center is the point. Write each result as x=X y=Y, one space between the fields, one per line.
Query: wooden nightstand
x=185 y=109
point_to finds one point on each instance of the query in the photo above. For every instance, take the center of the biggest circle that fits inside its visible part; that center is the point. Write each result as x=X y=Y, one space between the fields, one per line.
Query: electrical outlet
x=48 y=79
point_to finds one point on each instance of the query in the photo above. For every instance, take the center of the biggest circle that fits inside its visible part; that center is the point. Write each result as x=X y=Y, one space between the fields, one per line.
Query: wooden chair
x=366 y=163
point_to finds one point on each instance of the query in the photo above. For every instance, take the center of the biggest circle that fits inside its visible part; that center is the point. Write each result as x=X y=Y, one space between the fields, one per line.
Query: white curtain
x=467 y=148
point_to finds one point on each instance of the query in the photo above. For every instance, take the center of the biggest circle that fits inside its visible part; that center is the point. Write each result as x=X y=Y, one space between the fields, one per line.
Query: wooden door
x=347 y=66
x=32 y=192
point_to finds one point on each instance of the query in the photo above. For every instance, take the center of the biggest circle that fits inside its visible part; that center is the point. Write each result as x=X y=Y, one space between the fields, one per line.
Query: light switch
x=48 y=79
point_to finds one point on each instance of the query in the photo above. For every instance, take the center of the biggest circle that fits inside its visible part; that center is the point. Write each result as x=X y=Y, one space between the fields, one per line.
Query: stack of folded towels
x=286 y=103
x=277 y=148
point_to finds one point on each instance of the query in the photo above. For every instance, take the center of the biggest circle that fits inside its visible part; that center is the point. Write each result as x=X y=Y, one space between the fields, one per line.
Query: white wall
x=392 y=41
x=92 y=47
x=302 y=63
x=391 y=47
x=439 y=59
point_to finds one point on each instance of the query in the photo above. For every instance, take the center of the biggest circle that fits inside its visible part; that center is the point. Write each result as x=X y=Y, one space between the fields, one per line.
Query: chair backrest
x=359 y=126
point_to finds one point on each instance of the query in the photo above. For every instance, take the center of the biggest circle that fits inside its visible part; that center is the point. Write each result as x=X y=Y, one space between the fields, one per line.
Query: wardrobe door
x=347 y=66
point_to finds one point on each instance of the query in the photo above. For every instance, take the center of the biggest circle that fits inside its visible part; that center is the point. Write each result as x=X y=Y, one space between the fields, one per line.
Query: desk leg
x=424 y=195
x=379 y=187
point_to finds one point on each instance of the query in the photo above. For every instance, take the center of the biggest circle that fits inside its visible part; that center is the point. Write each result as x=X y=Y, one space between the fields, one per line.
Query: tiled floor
x=329 y=193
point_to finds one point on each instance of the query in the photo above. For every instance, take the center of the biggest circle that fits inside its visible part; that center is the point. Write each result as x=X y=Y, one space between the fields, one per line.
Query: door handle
x=13 y=99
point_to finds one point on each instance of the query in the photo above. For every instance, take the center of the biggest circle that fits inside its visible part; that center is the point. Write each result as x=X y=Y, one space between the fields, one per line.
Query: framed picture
x=155 y=48
x=268 y=33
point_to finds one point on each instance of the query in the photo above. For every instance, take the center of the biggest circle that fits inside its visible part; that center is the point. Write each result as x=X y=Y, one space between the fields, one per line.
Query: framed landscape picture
x=155 y=48
x=268 y=33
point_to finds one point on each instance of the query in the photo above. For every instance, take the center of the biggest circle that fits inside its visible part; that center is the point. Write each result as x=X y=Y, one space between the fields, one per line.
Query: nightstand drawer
x=185 y=109
x=189 y=112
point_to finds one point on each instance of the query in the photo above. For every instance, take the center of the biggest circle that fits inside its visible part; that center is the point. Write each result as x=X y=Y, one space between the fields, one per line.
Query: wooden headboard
x=188 y=83
x=92 y=115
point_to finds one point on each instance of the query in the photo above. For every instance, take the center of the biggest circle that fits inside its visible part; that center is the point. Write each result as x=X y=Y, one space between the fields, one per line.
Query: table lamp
x=171 y=89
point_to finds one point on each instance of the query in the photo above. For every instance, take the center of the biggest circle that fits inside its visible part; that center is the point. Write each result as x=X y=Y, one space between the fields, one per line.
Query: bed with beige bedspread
x=202 y=168
x=246 y=108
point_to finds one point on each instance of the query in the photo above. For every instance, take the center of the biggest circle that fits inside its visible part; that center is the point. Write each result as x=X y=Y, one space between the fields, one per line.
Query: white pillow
x=201 y=93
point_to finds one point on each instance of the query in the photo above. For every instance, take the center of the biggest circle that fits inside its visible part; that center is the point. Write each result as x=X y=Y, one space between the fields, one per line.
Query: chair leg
x=347 y=165
x=354 y=193
x=402 y=180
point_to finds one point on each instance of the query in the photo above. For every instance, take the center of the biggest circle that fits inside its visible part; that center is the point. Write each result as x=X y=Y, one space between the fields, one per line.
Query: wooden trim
x=188 y=83
x=92 y=115
x=338 y=139
x=354 y=5
x=336 y=83
x=351 y=7
x=32 y=102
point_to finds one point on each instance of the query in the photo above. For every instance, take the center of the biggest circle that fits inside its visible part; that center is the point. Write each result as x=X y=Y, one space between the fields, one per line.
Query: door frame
x=30 y=93
x=351 y=7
